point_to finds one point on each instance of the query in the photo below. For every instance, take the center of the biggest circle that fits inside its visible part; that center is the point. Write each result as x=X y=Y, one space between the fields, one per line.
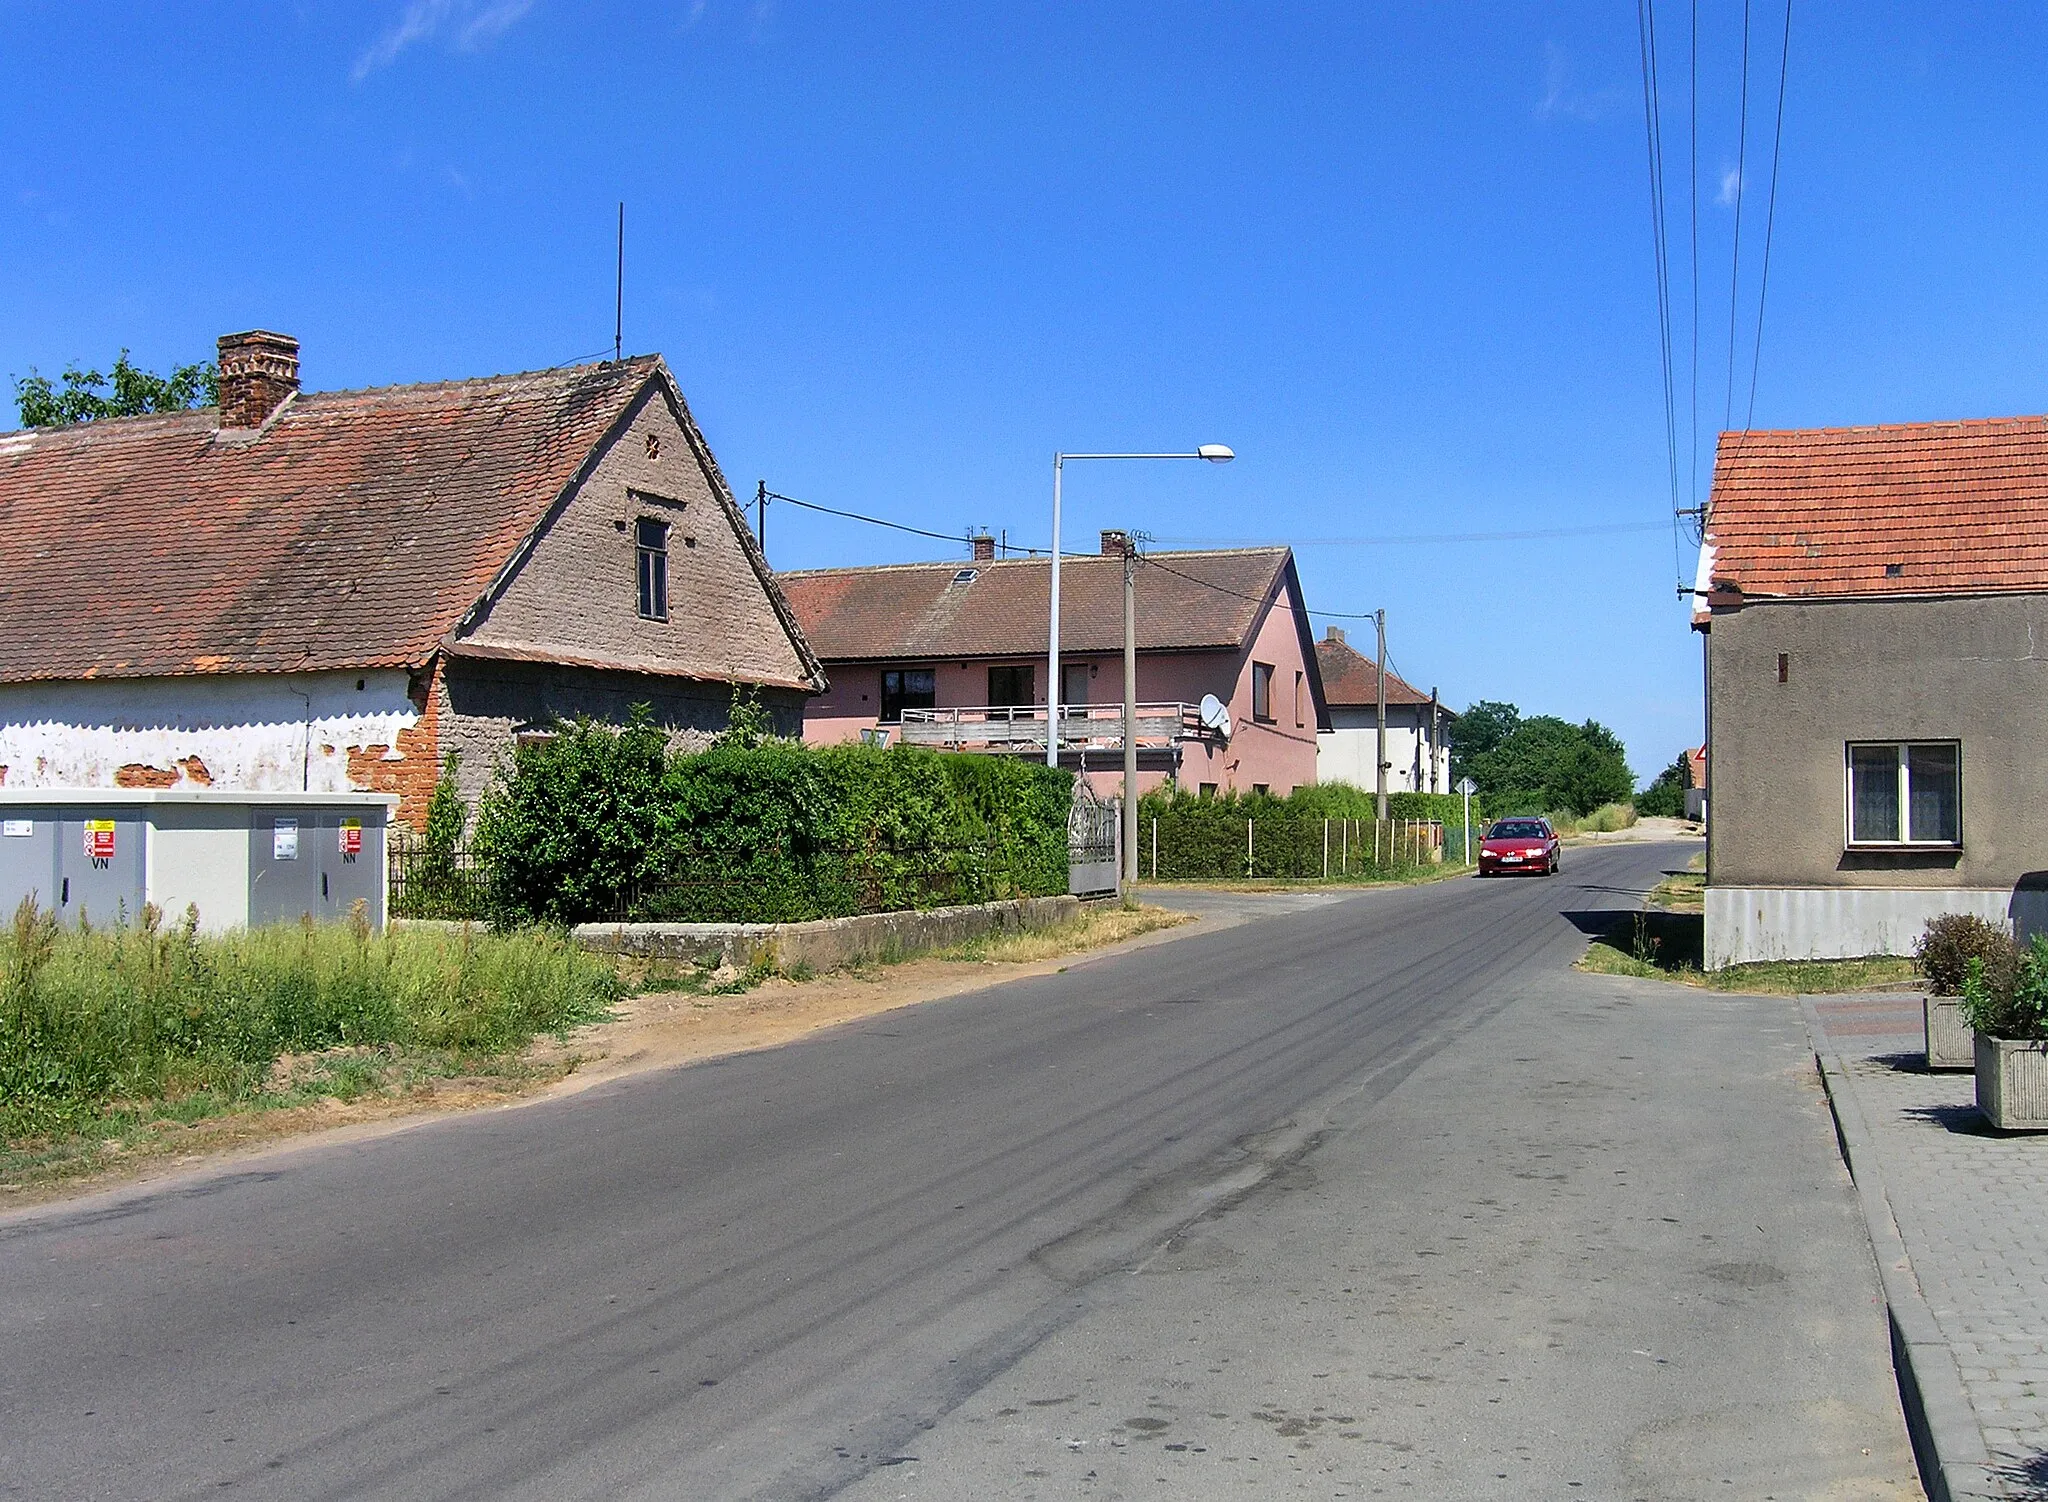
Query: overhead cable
x=1770 y=219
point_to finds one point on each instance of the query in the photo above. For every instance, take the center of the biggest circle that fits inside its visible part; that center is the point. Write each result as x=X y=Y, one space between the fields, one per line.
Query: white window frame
x=1904 y=841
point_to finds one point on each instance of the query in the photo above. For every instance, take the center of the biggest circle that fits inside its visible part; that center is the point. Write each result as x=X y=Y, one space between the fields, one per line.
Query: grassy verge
x=1095 y=928
x=1666 y=942
x=134 y=1039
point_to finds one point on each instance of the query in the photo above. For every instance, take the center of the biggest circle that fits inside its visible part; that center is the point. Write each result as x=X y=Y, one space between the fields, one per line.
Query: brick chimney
x=1115 y=542
x=258 y=371
x=984 y=547
x=1335 y=634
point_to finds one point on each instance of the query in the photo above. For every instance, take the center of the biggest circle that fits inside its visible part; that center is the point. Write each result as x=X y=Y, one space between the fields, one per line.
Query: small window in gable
x=651 y=537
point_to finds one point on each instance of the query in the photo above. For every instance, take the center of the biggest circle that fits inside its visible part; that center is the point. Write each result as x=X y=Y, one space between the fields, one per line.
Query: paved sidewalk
x=1965 y=1211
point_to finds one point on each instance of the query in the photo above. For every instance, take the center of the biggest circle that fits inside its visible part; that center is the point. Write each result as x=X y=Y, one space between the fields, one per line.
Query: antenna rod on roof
x=619 y=294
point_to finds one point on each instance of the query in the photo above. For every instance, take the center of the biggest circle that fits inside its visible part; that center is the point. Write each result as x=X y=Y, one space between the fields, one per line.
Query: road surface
x=776 y=1275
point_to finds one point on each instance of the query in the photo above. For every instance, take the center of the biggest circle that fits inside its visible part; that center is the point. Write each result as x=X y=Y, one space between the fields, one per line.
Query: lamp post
x=1214 y=453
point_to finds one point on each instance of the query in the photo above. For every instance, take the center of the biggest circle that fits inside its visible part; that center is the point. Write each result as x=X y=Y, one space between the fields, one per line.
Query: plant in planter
x=2012 y=1040
x=1944 y=952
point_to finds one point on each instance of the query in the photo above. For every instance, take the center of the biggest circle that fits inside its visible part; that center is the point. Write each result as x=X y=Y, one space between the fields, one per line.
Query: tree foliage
x=126 y=391
x=1665 y=797
x=1540 y=764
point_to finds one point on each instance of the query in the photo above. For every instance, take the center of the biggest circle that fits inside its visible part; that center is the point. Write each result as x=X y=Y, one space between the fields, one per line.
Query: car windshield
x=1516 y=829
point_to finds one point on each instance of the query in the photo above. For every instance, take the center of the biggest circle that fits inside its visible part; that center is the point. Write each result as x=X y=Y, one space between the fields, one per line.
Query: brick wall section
x=485 y=704
x=136 y=775
x=577 y=591
x=418 y=768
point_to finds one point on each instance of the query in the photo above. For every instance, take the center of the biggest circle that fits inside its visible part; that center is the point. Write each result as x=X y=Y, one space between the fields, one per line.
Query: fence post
x=1344 y=846
x=1247 y=848
x=1155 y=847
x=1326 y=850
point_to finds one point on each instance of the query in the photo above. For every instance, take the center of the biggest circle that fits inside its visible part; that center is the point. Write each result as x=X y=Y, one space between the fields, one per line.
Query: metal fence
x=431 y=883
x=1194 y=842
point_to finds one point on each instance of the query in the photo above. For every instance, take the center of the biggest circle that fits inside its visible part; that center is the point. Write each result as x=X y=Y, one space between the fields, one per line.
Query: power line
x=1770 y=219
x=1151 y=561
x=1433 y=539
x=1692 y=215
x=1735 y=259
x=873 y=521
x=1646 y=33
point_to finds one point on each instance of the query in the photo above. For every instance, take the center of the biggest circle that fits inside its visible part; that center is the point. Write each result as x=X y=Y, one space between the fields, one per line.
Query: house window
x=1262 y=692
x=1300 y=700
x=1208 y=790
x=1905 y=793
x=1011 y=685
x=652 y=537
x=907 y=688
x=1074 y=682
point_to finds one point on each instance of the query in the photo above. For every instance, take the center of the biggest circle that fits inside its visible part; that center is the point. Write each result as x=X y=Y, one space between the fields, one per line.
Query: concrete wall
x=1346 y=752
x=1782 y=882
x=1953 y=669
x=577 y=592
x=828 y=943
x=267 y=732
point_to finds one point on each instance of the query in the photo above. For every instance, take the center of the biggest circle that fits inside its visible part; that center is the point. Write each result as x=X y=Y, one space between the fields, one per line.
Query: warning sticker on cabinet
x=351 y=836
x=99 y=839
x=284 y=840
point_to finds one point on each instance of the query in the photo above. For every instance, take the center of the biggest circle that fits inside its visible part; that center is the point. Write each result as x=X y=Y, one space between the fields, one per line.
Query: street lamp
x=1214 y=453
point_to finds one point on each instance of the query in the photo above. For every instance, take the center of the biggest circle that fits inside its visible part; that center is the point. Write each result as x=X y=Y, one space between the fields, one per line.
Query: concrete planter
x=1950 y=1043
x=2012 y=1083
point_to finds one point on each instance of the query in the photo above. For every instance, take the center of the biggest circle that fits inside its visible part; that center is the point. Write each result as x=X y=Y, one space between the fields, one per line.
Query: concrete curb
x=1948 y=1443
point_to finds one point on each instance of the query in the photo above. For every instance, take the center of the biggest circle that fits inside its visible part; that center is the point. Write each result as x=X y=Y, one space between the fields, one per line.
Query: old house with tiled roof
x=954 y=655
x=1418 y=726
x=1876 y=607
x=332 y=590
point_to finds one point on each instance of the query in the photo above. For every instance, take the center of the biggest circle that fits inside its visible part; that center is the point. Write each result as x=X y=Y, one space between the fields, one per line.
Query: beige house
x=328 y=591
x=1876 y=608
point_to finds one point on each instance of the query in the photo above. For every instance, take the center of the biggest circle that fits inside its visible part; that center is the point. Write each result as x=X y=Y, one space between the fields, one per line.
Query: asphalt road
x=765 y=1276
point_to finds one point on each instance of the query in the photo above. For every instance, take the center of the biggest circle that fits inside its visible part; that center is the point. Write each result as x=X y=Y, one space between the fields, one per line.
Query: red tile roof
x=1350 y=678
x=355 y=531
x=1188 y=601
x=1911 y=509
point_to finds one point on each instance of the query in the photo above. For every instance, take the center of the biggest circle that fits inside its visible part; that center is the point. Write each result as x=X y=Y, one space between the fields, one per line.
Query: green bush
x=601 y=823
x=92 y=1018
x=1951 y=940
x=2019 y=1011
x=1205 y=837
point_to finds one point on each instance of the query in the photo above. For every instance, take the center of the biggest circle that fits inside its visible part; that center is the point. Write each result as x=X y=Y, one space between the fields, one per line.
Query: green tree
x=1479 y=729
x=1546 y=763
x=1665 y=797
x=88 y=395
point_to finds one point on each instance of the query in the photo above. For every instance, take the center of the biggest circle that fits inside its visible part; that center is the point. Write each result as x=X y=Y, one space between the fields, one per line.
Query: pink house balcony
x=1011 y=728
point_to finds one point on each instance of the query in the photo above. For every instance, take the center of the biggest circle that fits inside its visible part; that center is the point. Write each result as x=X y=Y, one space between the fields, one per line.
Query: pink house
x=954 y=655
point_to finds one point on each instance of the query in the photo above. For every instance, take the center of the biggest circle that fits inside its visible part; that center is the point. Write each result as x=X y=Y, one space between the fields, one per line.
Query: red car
x=1519 y=845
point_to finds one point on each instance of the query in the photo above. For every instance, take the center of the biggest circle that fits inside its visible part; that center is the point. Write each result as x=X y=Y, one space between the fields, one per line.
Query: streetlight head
x=1215 y=453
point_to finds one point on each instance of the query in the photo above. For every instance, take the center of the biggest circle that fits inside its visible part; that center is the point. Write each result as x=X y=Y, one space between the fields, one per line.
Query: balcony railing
x=1021 y=727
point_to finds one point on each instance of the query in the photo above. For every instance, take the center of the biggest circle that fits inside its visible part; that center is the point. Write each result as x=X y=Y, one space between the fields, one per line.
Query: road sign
x=1466 y=786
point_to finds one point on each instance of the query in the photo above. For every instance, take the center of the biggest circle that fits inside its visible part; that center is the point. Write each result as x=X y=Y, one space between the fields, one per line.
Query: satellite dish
x=1215 y=716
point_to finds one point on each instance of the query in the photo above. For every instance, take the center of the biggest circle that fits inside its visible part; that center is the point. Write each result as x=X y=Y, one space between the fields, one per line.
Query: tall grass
x=1605 y=819
x=131 y=1015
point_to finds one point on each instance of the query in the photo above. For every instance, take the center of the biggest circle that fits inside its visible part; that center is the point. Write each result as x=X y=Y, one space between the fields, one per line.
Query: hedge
x=1206 y=837
x=601 y=823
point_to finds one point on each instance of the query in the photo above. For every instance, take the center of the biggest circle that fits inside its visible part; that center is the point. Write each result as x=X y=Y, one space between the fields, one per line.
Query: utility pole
x=1379 y=618
x=761 y=516
x=1130 y=709
x=1435 y=731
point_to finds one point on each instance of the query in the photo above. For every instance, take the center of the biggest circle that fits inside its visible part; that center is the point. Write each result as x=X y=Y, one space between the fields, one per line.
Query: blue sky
x=1397 y=256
